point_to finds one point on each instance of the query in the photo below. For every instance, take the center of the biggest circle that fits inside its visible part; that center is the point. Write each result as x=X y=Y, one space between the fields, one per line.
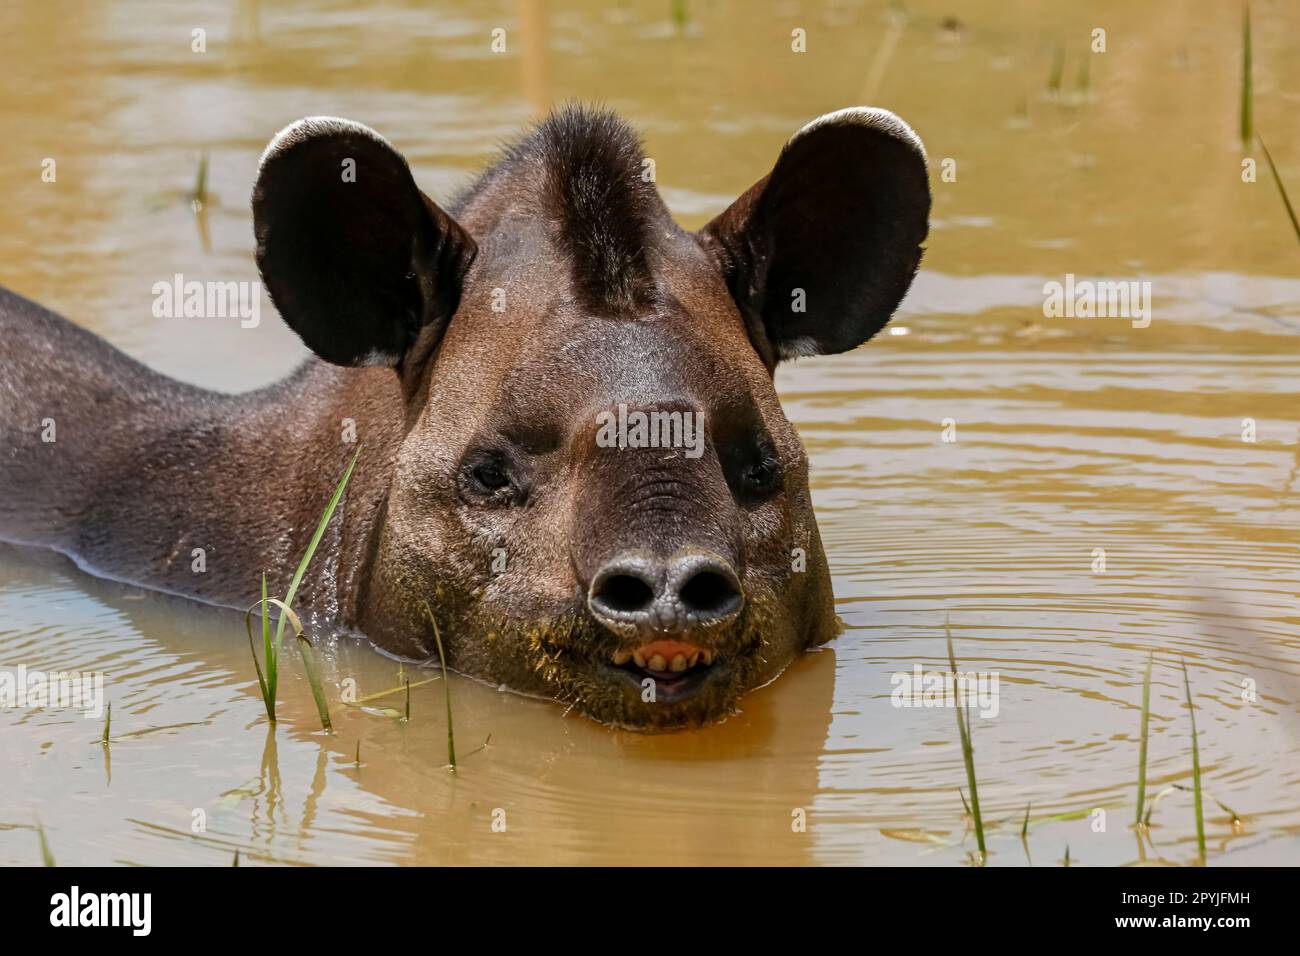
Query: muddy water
x=1072 y=435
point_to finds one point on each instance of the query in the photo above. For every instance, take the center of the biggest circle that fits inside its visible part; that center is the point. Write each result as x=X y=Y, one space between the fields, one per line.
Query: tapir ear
x=819 y=252
x=355 y=257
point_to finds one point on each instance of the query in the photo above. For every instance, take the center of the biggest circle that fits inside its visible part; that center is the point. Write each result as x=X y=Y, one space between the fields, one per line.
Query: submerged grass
x=1155 y=801
x=199 y=198
x=680 y=16
x=1247 y=117
x=313 y=678
x=269 y=680
x=1247 y=91
x=1196 y=768
x=380 y=694
x=1198 y=791
x=967 y=751
x=1233 y=815
x=1057 y=74
x=47 y=858
x=1286 y=200
x=198 y=201
x=1142 y=750
x=1143 y=810
x=442 y=659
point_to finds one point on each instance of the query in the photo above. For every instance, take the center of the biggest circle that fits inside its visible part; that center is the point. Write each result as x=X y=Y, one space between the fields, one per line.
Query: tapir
x=571 y=456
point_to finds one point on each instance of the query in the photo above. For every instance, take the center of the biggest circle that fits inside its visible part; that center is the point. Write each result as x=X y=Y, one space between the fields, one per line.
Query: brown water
x=1072 y=435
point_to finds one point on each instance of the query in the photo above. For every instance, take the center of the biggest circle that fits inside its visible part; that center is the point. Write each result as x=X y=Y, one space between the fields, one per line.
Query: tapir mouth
x=678 y=668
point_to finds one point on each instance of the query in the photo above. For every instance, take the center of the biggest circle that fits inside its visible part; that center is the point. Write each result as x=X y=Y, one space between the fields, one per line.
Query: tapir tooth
x=707 y=655
x=621 y=657
x=639 y=658
x=679 y=663
x=657 y=663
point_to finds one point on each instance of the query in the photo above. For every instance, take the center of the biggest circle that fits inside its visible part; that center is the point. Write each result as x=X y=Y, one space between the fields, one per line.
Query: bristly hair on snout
x=589 y=165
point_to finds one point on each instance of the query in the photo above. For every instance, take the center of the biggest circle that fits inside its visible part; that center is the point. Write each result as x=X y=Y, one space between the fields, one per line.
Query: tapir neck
x=146 y=480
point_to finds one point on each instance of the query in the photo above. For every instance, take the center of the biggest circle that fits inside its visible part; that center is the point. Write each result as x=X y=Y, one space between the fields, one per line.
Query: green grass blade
x=381 y=694
x=201 y=181
x=308 y=655
x=1233 y=814
x=47 y=858
x=1068 y=815
x=108 y=722
x=1247 y=91
x=289 y=612
x=272 y=651
x=1024 y=827
x=267 y=698
x=451 y=734
x=1196 y=768
x=967 y=751
x=1286 y=200
x=1142 y=747
x=199 y=198
x=313 y=678
x=1057 y=73
x=314 y=543
x=1155 y=802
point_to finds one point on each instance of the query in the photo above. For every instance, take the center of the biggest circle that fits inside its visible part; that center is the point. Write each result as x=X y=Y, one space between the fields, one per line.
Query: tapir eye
x=486 y=475
x=490 y=475
x=750 y=462
x=761 y=475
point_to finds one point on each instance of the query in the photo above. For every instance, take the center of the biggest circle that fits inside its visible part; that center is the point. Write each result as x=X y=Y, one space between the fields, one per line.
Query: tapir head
x=597 y=494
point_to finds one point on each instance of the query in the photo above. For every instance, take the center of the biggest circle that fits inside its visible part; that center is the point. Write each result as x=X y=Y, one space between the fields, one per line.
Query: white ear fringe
x=875 y=118
x=312 y=126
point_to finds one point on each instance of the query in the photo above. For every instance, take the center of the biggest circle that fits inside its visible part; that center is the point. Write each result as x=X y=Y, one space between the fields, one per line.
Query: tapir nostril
x=711 y=593
x=651 y=595
x=622 y=593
